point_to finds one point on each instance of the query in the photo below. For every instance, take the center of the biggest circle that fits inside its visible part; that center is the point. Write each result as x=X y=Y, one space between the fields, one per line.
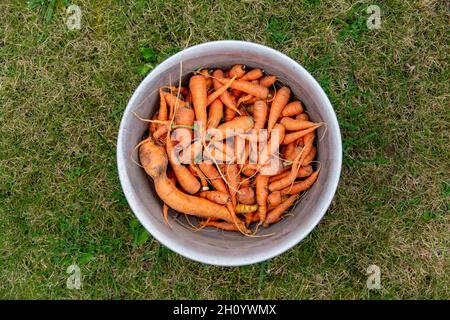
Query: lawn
x=62 y=95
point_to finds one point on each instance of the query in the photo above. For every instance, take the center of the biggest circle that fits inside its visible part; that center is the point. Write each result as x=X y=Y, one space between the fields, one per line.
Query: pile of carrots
x=232 y=195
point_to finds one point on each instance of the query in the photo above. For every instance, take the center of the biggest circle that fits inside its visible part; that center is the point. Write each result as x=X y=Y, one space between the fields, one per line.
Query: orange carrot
x=310 y=157
x=213 y=176
x=185 y=178
x=251 y=217
x=267 y=81
x=303 y=172
x=292 y=109
x=217 y=93
x=232 y=178
x=289 y=151
x=260 y=111
x=162 y=115
x=152 y=126
x=246 y=195
x=225 y=97
x=301 y=185
x=275 y=214
x=184 y=116
x=227 y=226
x=161 y=131
x=154 y=160
x=279 y=102
x=229 y=113
x=290 y=137
x=237 y=71
x=261 y=196
x=215 y=113
x=206 y=75
x=196 y=172
x=274 y=199
x=302 y=117
x=197 y=86
x=248 y=87
x=216 y=196
x=242 y=123
x=295 y=125
x=252 y=75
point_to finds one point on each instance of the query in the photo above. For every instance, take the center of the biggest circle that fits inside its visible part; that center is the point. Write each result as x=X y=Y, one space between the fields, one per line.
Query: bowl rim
x=190 y=253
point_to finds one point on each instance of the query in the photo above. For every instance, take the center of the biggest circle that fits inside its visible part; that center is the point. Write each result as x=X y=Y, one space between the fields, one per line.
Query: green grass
x=62 y=94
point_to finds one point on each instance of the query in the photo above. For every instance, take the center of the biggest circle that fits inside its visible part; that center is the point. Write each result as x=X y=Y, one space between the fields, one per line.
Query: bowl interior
x=215 y=246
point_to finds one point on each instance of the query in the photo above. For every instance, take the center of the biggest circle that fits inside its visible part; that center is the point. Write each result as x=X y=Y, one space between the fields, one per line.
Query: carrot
x=261 y=196
x=302 y=117
x=249 y=99
x=229 y=113
x=250 y=217
x=218 y=92
x=154 y=160
x=213 y=175
x=260 y=111
x=279 y=102
x=301 y=185
x=275 y=214
x=267 y=81
x=274 y=199
x=290 y=137
x=197 y=86
x=161 y=131
x=292 y=109
x=185 y=178
x=246 y=208
x=310 y=157
x=273 y=143
x=237 y=71
x=227 y=226
x=206 y=75
x=248 y=171
x=196 y=172
x=246 y=195
x=289 y=150
x=232 y=178
x=184 y=116
x=295 y=125
x=174 y=103
x=225 y=97
x=215 y=196
x=252 y=75
x=242 y=123
x=248 y=87
x=303 y=172
x=215 y=113
x=152 y=126
x=308 y=141
x=162 y=115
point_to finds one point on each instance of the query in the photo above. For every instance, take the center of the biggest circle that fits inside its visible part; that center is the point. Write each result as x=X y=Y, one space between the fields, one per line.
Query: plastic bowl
x=215 y=246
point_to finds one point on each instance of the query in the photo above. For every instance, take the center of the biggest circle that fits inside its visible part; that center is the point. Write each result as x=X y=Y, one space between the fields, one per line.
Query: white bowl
x=214 y=246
